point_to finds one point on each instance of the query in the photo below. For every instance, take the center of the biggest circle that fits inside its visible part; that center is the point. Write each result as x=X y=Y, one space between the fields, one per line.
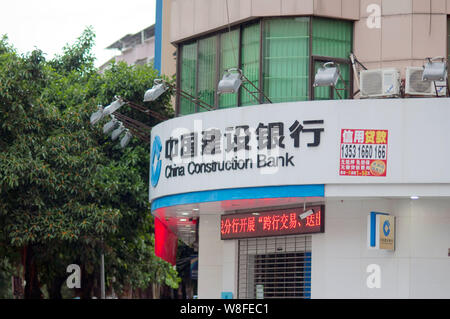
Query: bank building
x=309 y=155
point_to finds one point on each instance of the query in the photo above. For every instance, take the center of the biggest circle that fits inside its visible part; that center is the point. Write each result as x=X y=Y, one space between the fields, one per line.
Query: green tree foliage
x=66 y=191
x=77 y=57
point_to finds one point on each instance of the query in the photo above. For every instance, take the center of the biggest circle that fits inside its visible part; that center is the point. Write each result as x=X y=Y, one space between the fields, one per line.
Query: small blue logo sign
x=386 y=228
x=155 y=161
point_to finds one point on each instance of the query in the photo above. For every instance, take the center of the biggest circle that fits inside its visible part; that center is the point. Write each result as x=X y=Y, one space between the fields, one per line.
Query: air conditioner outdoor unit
x=380 y=83
x=415 y=86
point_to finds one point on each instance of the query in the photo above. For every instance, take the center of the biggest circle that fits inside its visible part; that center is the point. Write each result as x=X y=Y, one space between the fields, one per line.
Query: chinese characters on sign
x=237 y=138
x=363 y=152
x=386 y=235
x=265 y=146
x=272 y=223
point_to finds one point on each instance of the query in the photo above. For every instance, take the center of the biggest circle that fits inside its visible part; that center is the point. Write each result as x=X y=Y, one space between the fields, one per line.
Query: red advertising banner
x=273 y=223
x=363 y=152
x=166 y=242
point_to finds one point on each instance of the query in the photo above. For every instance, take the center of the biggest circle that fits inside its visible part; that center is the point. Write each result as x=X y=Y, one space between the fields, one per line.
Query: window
x=229 y=58
x=188 y=77
x=286 y=59
x=332 y=41
x=278 y=55
x=206 y=71
x=251 y=36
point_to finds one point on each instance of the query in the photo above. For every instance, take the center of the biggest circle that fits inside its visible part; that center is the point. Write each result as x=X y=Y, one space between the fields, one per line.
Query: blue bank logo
x=155 y=161
x=386 y=228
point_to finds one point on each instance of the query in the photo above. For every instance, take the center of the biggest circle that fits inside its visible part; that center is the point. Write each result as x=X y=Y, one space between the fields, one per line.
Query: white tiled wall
x=418 y=268
x=210 y=257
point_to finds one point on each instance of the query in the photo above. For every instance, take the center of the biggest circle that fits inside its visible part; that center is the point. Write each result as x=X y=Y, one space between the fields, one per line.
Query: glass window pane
x=188 y=74
x=207 y=70
x=343 y=89
x=332 y=38
x=229 y=58
x=286 y=59
x=250 y=61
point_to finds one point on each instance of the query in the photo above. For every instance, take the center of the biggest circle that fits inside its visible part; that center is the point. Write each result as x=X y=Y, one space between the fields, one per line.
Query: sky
x=51 y=24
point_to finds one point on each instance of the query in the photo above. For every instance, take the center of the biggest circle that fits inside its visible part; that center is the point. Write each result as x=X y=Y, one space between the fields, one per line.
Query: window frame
x=261 y=21
x=179 y=55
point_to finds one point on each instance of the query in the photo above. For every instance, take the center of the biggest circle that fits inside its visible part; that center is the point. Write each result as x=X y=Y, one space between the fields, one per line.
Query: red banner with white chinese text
x=273 y=223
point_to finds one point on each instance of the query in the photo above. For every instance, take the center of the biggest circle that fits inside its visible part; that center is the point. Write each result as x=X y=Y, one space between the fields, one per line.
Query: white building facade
x=414 y=188
x=318 y=194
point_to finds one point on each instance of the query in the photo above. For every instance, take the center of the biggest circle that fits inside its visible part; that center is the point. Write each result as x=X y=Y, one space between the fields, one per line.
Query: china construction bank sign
x=301 y=143
x=234 y=148
x=212 y=151
x=265 y=145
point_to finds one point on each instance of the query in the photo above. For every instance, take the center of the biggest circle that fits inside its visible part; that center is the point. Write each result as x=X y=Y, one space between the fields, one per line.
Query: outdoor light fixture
x=136 y=128
x=114 y=106
x=306 y=214
x=126 y=139
x=232 y=81
x=110 y=126
x=156 y=91
x=97 y=116
x=115 y=134
x=160 y=86
x=327 y=75
x=435 y=70
x=120 y=123
x=414 y=197
x=102 y=112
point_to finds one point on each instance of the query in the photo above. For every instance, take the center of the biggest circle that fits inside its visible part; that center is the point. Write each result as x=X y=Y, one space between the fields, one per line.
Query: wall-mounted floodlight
x=327 y=75
x=114 y=106
x=115 y=134
x=136 y=128
x=110 y=126
x=306 y=214
x=119 y=122
x=126 y=139
x=435 y=70
x=159 y=87
x=231 y=81
x=97 y=116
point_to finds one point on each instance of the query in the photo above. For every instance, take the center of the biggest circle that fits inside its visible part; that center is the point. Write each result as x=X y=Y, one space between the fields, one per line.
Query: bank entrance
x=275 y=267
